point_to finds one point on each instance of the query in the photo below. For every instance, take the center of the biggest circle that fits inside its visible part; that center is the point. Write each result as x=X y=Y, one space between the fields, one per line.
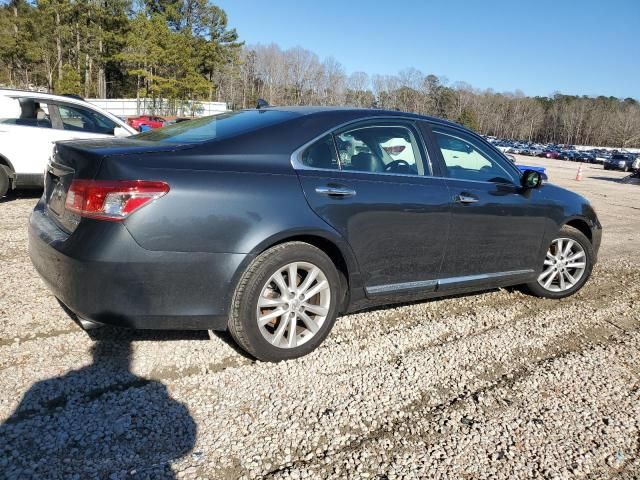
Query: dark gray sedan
x=272 y=222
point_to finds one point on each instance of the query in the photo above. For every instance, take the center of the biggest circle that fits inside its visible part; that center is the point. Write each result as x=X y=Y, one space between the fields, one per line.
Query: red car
x=550 y=154
x=147 y=120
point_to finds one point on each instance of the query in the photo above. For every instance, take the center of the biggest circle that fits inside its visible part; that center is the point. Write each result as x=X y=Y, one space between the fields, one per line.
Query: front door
x=497 y=227
x=378 y=193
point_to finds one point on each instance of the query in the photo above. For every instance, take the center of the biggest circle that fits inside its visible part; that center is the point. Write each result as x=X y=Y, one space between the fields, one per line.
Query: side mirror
x=531 y=179
x=120 y=132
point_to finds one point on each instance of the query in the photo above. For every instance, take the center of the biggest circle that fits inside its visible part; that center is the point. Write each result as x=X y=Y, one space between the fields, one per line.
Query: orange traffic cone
x=579 y=173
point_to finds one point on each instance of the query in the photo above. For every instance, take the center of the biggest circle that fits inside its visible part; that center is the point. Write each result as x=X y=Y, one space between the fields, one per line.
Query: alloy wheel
x=293 y=304
x=564 y=265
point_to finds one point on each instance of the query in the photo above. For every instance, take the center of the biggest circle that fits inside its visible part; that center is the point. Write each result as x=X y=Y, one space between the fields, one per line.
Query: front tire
x=285 y=303
x=567 y=265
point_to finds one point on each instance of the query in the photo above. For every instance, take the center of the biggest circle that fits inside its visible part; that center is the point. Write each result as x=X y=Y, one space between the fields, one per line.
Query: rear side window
x=380 y=149
x=217 y=127
x=321 y=154
x=26 y=112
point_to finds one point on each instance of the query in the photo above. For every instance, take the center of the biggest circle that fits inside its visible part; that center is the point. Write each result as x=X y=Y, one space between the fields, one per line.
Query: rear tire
x=556 y=265
x=4 y=182
x=287 y=324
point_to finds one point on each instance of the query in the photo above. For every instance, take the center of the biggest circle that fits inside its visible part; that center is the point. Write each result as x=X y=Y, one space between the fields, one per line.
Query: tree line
x=184 y=50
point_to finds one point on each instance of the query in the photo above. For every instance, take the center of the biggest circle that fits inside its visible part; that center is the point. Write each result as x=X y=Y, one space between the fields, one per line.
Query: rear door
x=497 y=227
x=27 y=139
x=373 y=183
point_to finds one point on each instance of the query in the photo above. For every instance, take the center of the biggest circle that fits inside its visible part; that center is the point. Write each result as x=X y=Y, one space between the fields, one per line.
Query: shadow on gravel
x=100 y=421
x=18 y=194
x=609 y=179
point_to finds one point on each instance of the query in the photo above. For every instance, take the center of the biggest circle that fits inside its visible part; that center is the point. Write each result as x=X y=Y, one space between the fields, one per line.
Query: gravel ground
x=495 y=385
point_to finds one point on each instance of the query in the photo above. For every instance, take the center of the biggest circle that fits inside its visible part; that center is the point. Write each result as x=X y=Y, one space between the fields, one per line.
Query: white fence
x=131 y=107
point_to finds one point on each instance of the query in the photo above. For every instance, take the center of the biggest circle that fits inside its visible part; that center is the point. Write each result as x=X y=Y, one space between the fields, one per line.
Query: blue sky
x=579 y=47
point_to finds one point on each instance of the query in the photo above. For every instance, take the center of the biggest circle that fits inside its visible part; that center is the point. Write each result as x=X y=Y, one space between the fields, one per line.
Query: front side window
x=26 y=112
x=79 y=119
x=380 y=149
x=465 y=159
x=322 y=154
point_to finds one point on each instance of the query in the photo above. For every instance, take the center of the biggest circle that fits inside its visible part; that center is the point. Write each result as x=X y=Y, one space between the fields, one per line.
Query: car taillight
x=112 y=199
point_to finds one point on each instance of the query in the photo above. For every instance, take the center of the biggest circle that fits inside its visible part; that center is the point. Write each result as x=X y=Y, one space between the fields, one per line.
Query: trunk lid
x=81 y=159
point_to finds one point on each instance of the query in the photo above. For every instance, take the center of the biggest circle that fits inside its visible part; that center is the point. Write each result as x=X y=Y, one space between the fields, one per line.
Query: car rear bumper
x=101 y=274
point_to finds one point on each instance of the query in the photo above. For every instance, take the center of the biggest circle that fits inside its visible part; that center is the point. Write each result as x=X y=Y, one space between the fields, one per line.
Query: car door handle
x=336 y=191
x=466 y=198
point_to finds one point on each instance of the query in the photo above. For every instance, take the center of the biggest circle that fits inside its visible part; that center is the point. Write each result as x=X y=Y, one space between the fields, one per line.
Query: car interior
x=32 y=114
x=366 y=150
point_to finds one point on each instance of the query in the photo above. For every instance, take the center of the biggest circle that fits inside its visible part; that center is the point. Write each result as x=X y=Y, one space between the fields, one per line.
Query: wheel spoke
x=310 y=323
x=559 y=248
x=544 y=274
x=576 y=256
x=282 y=328
x=282 y=285
x=550 y=279
x=311 y=276
x=293 y=276
x=572 y=280
x=576 y=265
x=264 y=319
x=265 y=302
x=562 y=281
x=318 y=287
x=293 y=334
x=567 y=249
x=548 y=261
x=317 y=309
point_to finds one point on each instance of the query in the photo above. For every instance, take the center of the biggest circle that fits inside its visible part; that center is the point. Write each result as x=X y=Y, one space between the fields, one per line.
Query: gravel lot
x=496 y=385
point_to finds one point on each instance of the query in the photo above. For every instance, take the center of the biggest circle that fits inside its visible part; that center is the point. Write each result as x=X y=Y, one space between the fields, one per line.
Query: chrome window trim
x=376 y=290
x=432 y=285
x=296 y=156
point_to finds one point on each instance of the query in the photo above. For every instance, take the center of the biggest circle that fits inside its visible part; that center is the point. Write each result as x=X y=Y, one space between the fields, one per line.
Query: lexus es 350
x=272 y=222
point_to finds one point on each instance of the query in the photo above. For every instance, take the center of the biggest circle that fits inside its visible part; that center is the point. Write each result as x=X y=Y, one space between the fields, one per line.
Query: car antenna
x=262 y=103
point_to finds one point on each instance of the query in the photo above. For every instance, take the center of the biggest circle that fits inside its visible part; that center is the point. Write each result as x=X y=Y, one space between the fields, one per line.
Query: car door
x=497 y=227
x=27 y=140
x=392 y=211
x=81 y=122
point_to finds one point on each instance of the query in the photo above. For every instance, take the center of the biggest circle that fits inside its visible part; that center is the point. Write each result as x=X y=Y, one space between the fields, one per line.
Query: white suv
x=30 y=122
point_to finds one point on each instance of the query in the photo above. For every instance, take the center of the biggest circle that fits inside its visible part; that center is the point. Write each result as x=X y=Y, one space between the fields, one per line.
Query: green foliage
x=468 y=118
x=165 y=49
x=70 y=83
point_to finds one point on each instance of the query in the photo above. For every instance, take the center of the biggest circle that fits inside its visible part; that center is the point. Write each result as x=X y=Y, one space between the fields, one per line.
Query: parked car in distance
x=149 y=121
x=567 y=155
x=582 y=156
x=619 y=161
x=272 y=222
x=550 y=154
x=30 y=122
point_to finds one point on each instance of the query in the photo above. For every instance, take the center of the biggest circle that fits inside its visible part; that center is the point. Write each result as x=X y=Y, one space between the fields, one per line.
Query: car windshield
x=216 y=127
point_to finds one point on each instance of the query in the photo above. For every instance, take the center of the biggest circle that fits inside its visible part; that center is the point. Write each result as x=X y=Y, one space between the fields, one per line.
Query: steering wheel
x=395 y=164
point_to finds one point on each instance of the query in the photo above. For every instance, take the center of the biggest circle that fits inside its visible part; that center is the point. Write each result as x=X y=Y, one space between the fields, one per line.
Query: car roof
x=48 y=96
x=357 y=112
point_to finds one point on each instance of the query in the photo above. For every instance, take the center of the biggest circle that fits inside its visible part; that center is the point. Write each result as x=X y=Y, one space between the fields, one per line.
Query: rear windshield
x=216 y=127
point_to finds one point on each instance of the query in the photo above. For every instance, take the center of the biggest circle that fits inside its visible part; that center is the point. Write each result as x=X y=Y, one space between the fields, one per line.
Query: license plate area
x=57 y=184
x=57 y=198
